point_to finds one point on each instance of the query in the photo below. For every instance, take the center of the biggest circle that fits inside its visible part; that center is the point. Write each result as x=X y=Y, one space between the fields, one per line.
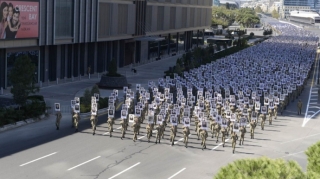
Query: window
x=160 y=18
x=64 y=18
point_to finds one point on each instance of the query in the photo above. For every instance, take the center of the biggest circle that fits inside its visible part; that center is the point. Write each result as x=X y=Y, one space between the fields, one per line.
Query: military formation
x=223 y=99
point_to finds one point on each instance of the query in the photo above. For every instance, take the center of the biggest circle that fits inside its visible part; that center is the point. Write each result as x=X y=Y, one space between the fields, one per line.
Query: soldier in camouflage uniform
x=186 y=133
x=94 y=120
x=76 y=119
x=212 y=127
x=135 y=127
x=242 y=133
x=123 y=128
x=149 y=131
x=270 y=115
x=58 y=118
x=275 y=112
x=223 y=135
x=110 y=123
x=253 y=125
x=262 y=117
x=204 y=135
x=218 y=130
x=173 y=134
x=234 y=138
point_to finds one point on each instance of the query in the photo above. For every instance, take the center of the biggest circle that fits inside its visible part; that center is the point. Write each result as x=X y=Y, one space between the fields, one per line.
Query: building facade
x=65 y=37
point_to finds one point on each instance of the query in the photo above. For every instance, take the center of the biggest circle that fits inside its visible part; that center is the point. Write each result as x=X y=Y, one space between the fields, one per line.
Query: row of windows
x=64 y=18
x=191 y=2
x=195 y=13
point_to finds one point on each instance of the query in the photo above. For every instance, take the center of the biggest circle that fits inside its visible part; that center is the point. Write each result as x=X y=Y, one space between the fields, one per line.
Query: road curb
x=21 y=123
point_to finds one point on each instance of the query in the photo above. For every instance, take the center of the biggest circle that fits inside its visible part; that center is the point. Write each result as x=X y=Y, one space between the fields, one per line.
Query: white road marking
x=141 y=137
x=108 y=132
x=177 y=173
x=83 y=163
x=218 y=145
x=181 y=139
x=154 y=131
x=300 y=138
x=306 y=118
x=124 y=170
x=292 y=154
x=38 y=159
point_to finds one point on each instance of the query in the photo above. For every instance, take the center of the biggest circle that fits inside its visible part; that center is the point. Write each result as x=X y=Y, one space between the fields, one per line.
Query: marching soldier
x=159 y=133
x=173 y=130
x=253 y=125
x=212 y=127
x=196 y=122
x=72 y=120
x=270 y=116
x=263 y=120
x=94 y=121
x=218 y=130
x=242 y=133
x=135 y=130
x=186 y=133
x=59 y=116
x=110 y=125
x=299 y=107
x=149 y=131
x=76 y=119
x=275 y=112
x=249 y=114
x=281 y=107
x=123 y=128
x=223 y=135
x=204 y=135
x=234 y=141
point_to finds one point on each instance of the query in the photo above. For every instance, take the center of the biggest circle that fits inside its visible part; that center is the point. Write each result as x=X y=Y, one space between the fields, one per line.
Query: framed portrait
x=264 y=109
x=124 y=114
x=236 y=127
x=138 y=112
x=111 y=113
x=57 y=107
x=97 y=95
x=159 y=119
x=186 y=122
x=150 y=119
x=77 y=108
x=131 y=118
x=173 y=120
x=77 y=99
x=73 y=103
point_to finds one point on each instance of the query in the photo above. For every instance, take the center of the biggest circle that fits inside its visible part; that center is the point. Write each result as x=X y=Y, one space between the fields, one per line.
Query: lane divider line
x=83 y=163
x=124 y=170
x=177 y=173
x=38 y=159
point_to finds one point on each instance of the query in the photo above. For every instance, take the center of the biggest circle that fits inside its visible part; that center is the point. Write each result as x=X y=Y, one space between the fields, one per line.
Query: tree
x=261 y=168
x=95 y=89
x=227 y=5
x=113 y=68
x=258 y=9
x=275 y=14
x=313 y=153
x=21 y=77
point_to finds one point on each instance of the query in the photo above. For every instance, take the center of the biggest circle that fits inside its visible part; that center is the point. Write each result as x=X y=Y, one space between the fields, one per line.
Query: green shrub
x=103 y=102
x=313 y=153
x=95 y=89
x=261 y=168
x=84 y=108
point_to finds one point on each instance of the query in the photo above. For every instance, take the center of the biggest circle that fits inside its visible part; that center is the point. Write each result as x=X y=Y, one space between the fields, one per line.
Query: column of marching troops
x=210 y=105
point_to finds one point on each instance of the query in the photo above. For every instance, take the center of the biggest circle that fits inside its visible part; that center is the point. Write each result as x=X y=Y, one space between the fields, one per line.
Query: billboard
x=19 y=19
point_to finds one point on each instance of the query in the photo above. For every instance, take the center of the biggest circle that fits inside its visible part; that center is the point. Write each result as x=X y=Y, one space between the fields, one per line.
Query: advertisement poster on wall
x=19 y=19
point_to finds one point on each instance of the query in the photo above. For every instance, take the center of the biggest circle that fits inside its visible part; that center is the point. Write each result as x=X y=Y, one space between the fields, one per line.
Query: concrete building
x=64 y=37
x=286 y=6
